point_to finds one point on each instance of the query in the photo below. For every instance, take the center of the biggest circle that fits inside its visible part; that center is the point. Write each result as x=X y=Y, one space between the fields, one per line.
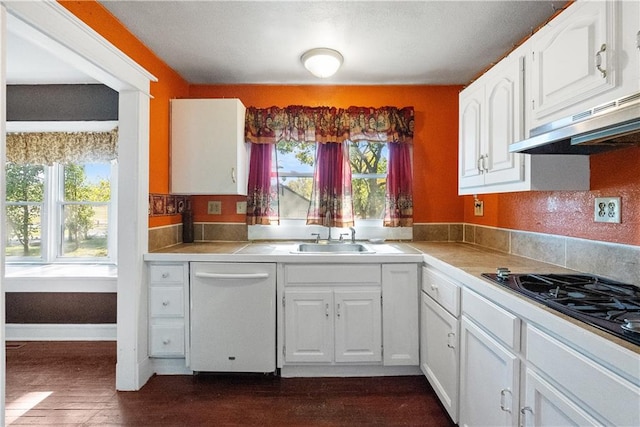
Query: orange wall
x=170 y=85
x=435 y=151
x=570 y=213
x=435 y=139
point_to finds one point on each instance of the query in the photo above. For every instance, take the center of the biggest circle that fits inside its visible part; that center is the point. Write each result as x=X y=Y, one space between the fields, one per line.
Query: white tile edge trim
x=60 y=332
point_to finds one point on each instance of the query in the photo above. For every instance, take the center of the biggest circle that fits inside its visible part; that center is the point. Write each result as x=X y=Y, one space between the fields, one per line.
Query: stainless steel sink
x=324 y=248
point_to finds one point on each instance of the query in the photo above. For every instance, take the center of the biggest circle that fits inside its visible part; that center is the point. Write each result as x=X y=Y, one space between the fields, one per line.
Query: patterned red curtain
x=398 y=210
x=328 y=124
x=262 y=200
x=331 y=202
x=330 y=128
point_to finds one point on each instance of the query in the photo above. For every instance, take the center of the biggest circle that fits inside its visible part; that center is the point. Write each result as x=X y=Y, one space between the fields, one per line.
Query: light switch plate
x=478 y=208
x=214 y=207
x=607 y=209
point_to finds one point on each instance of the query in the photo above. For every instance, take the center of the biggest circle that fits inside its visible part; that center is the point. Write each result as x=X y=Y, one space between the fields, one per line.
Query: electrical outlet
x=241 y=207
x=478 y=208
x=607 y=209
x=214 y=207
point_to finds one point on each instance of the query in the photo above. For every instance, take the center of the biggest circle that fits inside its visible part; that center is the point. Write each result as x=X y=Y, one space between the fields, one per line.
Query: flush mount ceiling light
x=322 y=62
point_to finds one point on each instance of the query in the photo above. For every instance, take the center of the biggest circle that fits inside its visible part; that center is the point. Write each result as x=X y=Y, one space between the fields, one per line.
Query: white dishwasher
x=233 y=317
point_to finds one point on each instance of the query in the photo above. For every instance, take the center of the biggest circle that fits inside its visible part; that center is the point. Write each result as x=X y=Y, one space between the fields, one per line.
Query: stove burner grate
x=597 y=301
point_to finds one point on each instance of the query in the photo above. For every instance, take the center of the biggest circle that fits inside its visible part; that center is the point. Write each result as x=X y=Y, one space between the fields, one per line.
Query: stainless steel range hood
x=606 y=127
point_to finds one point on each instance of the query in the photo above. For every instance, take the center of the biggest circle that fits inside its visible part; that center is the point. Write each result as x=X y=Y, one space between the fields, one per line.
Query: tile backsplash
x=616 y=261
x=612 y=260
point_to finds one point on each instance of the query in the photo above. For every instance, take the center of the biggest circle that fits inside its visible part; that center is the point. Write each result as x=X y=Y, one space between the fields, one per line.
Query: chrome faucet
x=353 y=234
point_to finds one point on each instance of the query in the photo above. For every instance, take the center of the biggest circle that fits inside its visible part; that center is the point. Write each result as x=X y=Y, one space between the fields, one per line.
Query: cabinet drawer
x=614 y=398
x=333 y=274
x=167 y=340
x=499 y=322
x=166 y=301
x=442 y=289
x=166 y=273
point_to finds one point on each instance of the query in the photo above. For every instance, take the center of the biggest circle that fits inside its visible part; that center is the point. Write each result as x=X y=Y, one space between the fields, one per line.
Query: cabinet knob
x=326 y=310
x=165 y=275
x=166 y=341
x=434 y=287
x=165 y=303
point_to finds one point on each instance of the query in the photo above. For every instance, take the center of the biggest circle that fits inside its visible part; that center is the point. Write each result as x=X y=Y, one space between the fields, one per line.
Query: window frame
x=297 y=229
x=51 y=220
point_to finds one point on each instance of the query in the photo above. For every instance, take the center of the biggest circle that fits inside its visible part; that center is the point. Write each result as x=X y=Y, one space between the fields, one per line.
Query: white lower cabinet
x=168 y=309
x=539 y=380
x=333 y=325
x=439 y=337
x=577 y=380
x=439 y=353
x=489 y=379
x=344 y=315
x=544 y=405
x=400 y=312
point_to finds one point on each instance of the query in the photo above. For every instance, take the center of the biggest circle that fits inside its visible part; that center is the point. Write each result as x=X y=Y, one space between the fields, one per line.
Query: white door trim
x=63 y=33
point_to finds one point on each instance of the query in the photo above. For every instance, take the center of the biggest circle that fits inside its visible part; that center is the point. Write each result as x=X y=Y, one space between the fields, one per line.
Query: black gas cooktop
x=600 y=302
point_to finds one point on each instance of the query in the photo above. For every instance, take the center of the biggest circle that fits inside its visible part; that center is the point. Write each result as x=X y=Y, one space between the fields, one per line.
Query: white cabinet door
x=565 y=59
x=504 y=106
x=545 y=406
x=308 y=325
x=400 y=313
x=490 y=119
x=358 y=324
x=489 y=379
x=439 y=346
x=208 y=153
x=470 y=136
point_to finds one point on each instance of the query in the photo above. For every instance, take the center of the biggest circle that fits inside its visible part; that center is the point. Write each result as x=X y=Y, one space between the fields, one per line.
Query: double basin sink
x=332 y=248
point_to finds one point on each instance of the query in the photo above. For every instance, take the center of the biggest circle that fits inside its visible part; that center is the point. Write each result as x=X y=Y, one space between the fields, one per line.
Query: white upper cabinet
x=208 y=152
x=491 y=118
x=584 y=57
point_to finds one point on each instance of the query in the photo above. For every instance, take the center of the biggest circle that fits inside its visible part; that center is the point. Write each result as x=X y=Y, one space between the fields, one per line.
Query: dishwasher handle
x=232 y=276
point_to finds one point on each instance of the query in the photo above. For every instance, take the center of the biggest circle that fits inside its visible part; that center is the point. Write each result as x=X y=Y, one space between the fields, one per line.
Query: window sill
x=297 y=229
x=60 y=278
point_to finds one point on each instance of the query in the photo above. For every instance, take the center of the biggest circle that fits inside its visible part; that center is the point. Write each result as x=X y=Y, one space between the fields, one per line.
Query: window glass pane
x=87 y=182
x=295 y=162
x=23 y=230
x=24 y=186
x=369 y=169
x=296 y=157
x=368 y=197
x=85 y=230
x=25 y=183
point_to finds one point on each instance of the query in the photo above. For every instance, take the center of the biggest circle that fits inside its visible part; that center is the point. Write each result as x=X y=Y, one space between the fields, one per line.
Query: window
x=295 y=166
x=61 y=213
x=295 y=163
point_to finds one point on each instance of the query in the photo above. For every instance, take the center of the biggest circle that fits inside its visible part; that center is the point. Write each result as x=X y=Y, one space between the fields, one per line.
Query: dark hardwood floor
x=73 y=383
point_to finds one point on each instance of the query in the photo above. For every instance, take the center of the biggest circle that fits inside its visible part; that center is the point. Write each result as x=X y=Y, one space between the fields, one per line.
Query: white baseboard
x=60 y=332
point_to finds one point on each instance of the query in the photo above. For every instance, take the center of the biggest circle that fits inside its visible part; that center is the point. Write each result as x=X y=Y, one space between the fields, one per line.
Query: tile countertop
x=461 y=261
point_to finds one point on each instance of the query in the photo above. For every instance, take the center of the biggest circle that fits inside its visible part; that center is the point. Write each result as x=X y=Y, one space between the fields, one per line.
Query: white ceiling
x=260 y=42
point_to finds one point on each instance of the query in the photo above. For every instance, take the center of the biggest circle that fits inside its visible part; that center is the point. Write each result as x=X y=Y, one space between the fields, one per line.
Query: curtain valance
x=46 y=148
x=329 y=124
